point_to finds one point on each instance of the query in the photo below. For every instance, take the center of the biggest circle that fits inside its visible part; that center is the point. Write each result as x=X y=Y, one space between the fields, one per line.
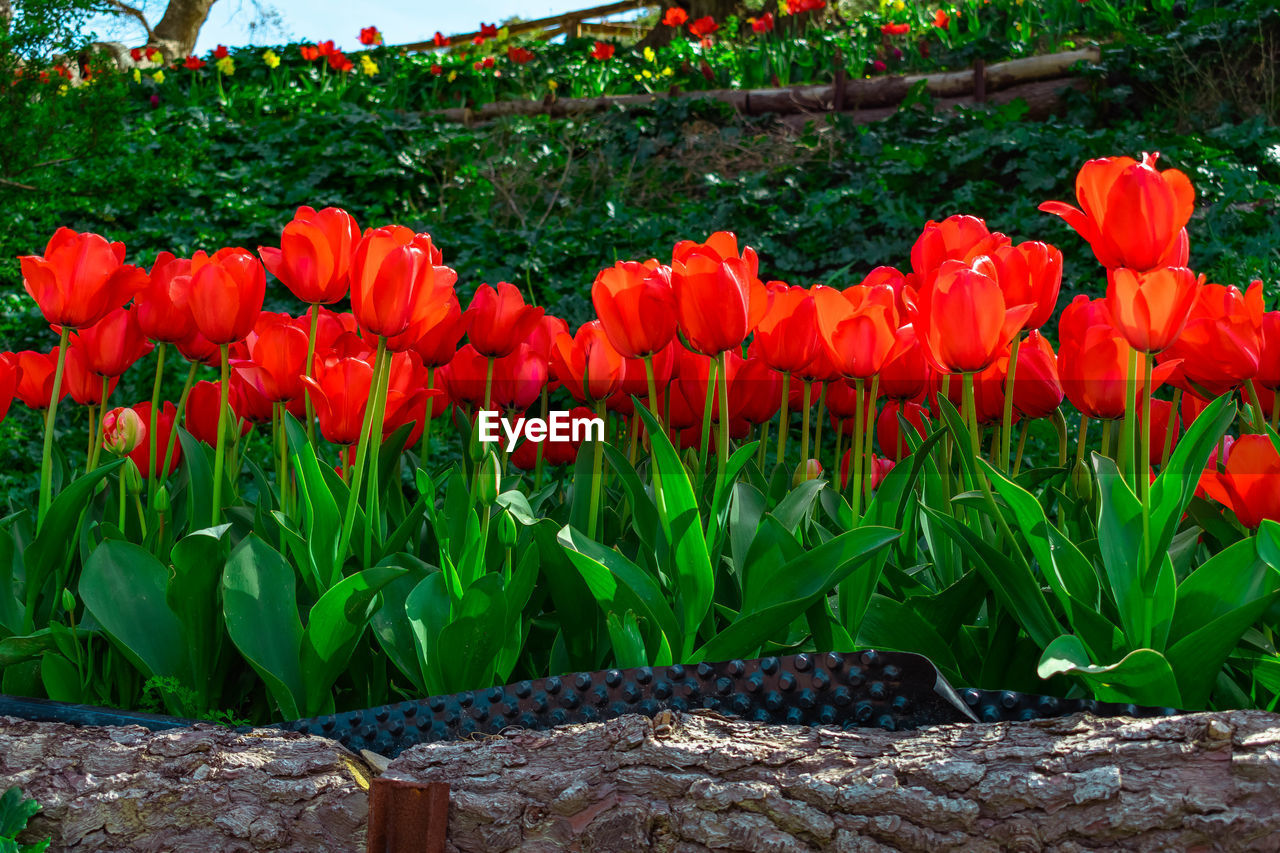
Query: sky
x=341 y=20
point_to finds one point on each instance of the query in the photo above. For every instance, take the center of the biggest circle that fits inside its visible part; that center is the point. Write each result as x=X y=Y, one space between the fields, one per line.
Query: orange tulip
x=719 y=297
x=956 y=238
x=226 y=294
x=1132 y=214
x=588 y=365
x=1250 y=481
x=858 y=326
x=35 y=377
x=787 y=336
x=339 y=392
x=113 y=344
x=163 y=313
x=1029 y=274
x=1150 y=309
x=636 y=306
x=79 y=382
x=396 y=282
x=963 y=321
x=1221 y=345
x=314 y=257
x=498 y=320
x=79 y=278
x=277 y=360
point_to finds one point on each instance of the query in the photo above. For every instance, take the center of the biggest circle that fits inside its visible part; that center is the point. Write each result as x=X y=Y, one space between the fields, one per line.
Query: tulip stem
x=653 y=410
x=152 y=441
x=712 y=378
x=1022 y=445
x=538 y=463
x=220 y=449
x=1060 y=427
x=46 y=461
x=310 y=368
x=722 y=449
x=839 y=447
x=1128 y=468
x=868 y=434
x=804 y=423
x=1007 y=424
x=102 y=418
x=488 y=384
x=856 y=451
x=1171 y=427
x=1143 y=462
x=597 y=464
x=822 y=414
x=362 y=446
x=1107 y=449
x=784 y=425
x=181 y=413
x=120 y=515
x=425 y=450
x=93 y=433
x=1275 y=410
x=1083 y=438
x=1256 y=404
x=373 y=516
x=971 y=410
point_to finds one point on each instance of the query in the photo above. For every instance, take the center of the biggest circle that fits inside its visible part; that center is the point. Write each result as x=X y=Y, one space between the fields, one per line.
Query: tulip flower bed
x=806 y=44
x=322 y=527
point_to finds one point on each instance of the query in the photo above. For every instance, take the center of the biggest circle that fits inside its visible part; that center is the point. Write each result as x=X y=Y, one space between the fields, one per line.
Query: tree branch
x=132 y=12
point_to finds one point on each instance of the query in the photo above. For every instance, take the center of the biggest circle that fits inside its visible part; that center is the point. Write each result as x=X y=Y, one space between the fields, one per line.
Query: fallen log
x=855 y=93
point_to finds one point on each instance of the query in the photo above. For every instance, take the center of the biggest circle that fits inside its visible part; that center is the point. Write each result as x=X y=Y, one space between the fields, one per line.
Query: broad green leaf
x=644 y=515
x=1120 y=544
x=771 y=550
x=199 y=492
x=894 y=626
x=61 y=682
x=323 y=519
x=261 y=612
x=575 y=606
x=628 y=644
x=48 y=550
x=469 y=644
x=428 y=610
x=390 y=623
x=192 y=595
x=1143 y=677
x=124 y=587
x=797 y=505
x=745 y=513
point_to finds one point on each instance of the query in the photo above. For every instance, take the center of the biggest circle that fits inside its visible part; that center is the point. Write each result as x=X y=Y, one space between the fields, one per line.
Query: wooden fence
x=577 y=23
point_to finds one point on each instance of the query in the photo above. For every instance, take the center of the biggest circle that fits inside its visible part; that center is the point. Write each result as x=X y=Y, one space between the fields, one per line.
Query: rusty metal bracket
x=407 y=817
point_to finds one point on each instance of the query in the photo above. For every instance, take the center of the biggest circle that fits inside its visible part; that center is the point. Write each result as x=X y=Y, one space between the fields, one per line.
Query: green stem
x=975 y=438
x=93 y=433
x=764 y=441
x=142 y=518
x=362 y=448
x=1256 y=404
x=1022 y=445
x=712 y=378
x=488 y=385
x=722 y=449
x=1144 y=485
x=1171 y=427
x=855 y=452
x=1107 y=449
x=817 y=430
x=1007 y=423
x=784 y=422
x=839 y=447
x=804 y=422
x=1127 y=467
x=220 y=451
x=121 y=514
x=152 y=440
x=1083 y=438
x=868 y=468
x=180 y=413
x=597 y=464
x=310 y=368
x=373 y=515
x=424 y=450
x=102 y=418
x=46 y=460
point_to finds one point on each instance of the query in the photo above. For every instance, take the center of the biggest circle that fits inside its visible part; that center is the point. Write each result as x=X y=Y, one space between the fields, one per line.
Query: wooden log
x=1195 y=782
x=568 y=18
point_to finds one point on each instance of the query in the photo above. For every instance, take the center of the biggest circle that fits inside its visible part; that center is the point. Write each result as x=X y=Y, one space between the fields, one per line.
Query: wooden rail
x=554 y=25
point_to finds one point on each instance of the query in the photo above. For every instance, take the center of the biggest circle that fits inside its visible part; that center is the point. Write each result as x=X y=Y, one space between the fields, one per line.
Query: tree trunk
x=662 y=35
x=1196 y=782
x=175 y=35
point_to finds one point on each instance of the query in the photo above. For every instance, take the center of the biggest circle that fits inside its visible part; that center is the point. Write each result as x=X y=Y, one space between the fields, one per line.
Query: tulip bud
x=507 y=532
x=487 y=480
x=132 y=478
x=476 y=449
x=810 y=469
x=122 y=431
x=691 y=459
x=68 y=601
x=1082 y=481
x=161 y=504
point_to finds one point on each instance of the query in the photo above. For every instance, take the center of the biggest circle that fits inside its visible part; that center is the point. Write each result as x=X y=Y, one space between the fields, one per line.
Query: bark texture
x=1193 y=783
x=205 y=788
x=175 y=35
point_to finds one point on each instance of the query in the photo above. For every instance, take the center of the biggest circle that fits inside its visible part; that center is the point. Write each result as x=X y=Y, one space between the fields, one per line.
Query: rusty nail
x=407 y=817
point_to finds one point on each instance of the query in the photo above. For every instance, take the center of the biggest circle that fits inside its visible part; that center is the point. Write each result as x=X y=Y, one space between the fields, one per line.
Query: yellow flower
x=552 y=85
x=453 y=75
x=226 y=66
x=899 y=5
x=504 y=33
x=158 y=76
x=667 y=72
x=649 y=55
x=137 y=75
x=62 y=90
x=367 y=66
x=647 y=73
x=271 y=59
x=638 y=78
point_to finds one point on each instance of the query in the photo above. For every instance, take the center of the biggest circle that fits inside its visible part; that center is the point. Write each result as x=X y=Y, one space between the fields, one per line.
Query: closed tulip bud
x=161 y=502
x=810 y=469
x=507 y=532
x=132 y=478
x=122 y=431
x=226 y=294
x=68 y=601
x=477 y=449
x=487 y=480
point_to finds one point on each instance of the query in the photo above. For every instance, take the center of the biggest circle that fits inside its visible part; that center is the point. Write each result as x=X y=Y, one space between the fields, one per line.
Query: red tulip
x=248 y=402
x=1269 y=358
x=1093 y=361
x=162 y=306
x=518 y=379
x=1221 y=345
x=141 y=454
x=905 y=375
x=314 y=257
x=703 y=27
x=35 y=377
x=277 y=360
x=1037 y=388
x=10 y=374
x=755 y=392
x=1150 y=309
x=956 y=238
x=200 y=417
x=858 y=326
x=114 y=343
x=1161 y=412
x=79 y=278
x=195 y=347
x=880 y=468
x=397 y=281
x=762 y=24
x=636 y=306
x=226 y=294
x=1250 y=481
x=498 y=320
x=602 y=51
x=587 y=364
x=842 y=403
x=893 y=444
x=1029 y=274
x=719 y=298
x=78 y=381
x=675 y=16
x=963 y=321
x=787 y=335
x=1131 y=214
x=339 y=392
x=370 y=36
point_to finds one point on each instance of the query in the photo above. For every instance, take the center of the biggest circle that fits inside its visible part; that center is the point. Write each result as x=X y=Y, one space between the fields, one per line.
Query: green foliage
x=15 y=811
